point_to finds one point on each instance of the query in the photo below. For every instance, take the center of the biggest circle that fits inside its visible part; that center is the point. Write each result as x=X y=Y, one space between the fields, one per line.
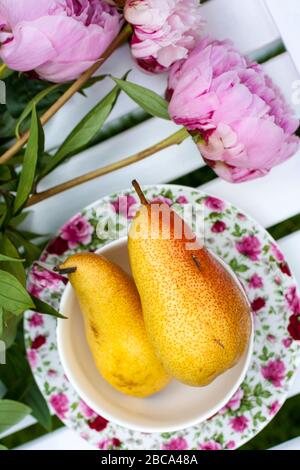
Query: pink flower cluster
x=164 y=31
x=274 y=372
x=235 y=403
x=58 y=39
x=41 y=279
x=245 y=126
x=249 y=246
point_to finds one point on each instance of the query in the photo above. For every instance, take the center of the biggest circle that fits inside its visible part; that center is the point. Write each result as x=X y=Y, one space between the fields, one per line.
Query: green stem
x=174 y=139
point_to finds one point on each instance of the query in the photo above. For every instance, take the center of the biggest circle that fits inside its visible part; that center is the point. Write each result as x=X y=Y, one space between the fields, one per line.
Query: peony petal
x=59 y=72
x=19 y=54
x=15 y=11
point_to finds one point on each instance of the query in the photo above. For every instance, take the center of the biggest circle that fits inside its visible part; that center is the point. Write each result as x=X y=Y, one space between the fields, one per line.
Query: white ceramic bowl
x=176 y=407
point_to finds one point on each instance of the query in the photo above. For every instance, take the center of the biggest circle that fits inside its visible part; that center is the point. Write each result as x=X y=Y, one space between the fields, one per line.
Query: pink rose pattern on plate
x=251 y=252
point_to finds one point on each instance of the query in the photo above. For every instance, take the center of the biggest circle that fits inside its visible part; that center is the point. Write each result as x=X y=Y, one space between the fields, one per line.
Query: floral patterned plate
x=263 y=271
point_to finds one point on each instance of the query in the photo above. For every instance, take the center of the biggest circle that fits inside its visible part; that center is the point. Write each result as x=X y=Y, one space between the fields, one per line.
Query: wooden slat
x=287 y=19
x=271 y=199
x=294 y=444
x=235 y=19
x=284 y=73
x=25 y=423
x=63 y=439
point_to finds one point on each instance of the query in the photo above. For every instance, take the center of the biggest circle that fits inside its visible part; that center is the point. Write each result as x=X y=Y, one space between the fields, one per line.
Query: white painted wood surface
x=255 y=26
x=287 y=18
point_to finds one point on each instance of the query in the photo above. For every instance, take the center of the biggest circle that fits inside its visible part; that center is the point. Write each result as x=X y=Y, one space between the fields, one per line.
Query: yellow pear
x=196 y=316
x=114 y=325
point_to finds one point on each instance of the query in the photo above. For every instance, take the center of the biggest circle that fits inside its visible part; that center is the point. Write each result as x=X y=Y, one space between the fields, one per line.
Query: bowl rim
x=129 y=424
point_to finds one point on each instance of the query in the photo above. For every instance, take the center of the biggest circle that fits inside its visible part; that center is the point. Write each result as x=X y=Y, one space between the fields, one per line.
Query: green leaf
x=5 y=173
x=6 y=210
x=238 y=268
x=8 y=248
x=34 y=148
x=42 y=307
x=16 y=373
x=3 y=447
x=31 y=251
x=39 y=407
x=33 y=104
x=4 y=71
x=13 y=296
x=11 y=413
x=8 y=258
x=10 y=325
x=84 y=131
x=147 y=99
x=15 y=221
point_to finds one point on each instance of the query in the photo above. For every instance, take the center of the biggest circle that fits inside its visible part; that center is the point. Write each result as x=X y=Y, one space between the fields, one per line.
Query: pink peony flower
x=36 y=320
x=32 y=357
x=60 y=404
x=164 y=31
x=109 y=444
x=277 y=253
x=256 y=282
x=249 y=246
x=59 y=39
x=274 y=408
x=294 y=327
x=211 y=445
x=78 y=231
x=214 y=204
x=239 y=424
x=126 y=206
x=219 y=227
x=86 y=410
x=178 y=443
x=235 y=403
x=247 y=128
x=274 y=372
x=293 y=300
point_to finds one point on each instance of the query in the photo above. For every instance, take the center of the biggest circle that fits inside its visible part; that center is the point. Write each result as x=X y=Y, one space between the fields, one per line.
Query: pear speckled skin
x=115 y=327
x=196 y=316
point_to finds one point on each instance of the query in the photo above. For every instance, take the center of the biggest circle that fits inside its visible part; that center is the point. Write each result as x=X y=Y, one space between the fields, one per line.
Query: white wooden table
x=259 y=28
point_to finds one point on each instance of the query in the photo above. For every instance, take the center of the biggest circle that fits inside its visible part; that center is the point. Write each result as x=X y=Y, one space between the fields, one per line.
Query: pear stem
x=64 y=271
x=140 y=193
